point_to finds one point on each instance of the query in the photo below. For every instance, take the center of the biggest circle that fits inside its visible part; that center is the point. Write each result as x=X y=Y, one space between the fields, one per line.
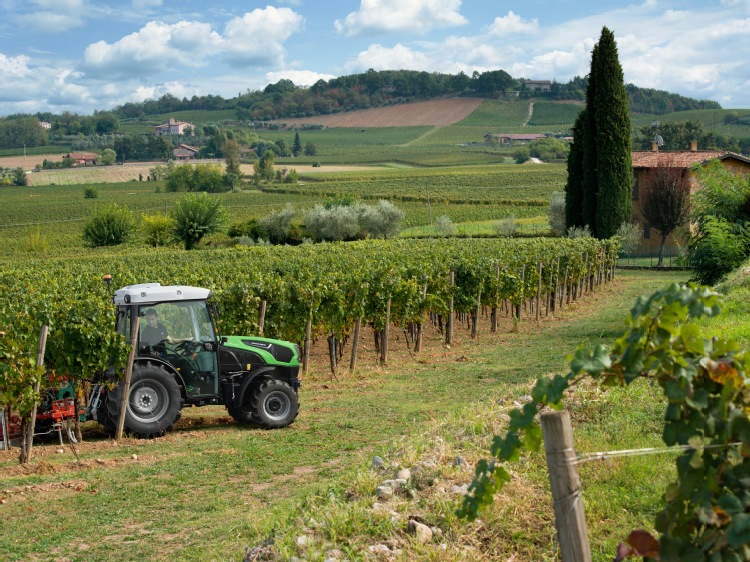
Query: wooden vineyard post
x=538 y=291
x=386 y=330
x=449 y=320
x=128 y=377
x=493 y=315
x=420 y=328
x=308 y=330
x=332 y=352
x=355 y=343
x=518 y=306
x=28 y=438
x=475 y=316
x=551 y=293
x=570 y=519
x=262 y=316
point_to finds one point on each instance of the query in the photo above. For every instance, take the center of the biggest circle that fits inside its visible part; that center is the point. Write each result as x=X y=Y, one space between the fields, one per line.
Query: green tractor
x=181 y=360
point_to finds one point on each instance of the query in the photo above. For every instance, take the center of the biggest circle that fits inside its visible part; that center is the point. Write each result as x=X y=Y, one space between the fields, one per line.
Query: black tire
x=105 y=417
x=242 y=413
x=274 y=404
x=154 y=405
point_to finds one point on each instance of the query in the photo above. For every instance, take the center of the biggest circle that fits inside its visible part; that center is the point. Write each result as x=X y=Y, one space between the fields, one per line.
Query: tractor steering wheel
x=189 y=346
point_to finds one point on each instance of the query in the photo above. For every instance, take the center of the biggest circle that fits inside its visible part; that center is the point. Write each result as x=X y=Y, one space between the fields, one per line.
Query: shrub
x=90 y=193
x=579 y=232
x=20 y=177
x=506 y=227
x=630 y=235
x=717 y=249
x=277 y=226
x=444 y=226
x=521 y=155
x=195 y=216
x=337 y=223
x=158 y=229
x=36 y=242
x=556 y=213
x=109 y=226
x=107 y=157
x=382 y=220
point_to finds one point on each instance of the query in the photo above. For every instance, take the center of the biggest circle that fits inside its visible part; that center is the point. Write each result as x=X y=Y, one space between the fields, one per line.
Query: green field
x=463 y=193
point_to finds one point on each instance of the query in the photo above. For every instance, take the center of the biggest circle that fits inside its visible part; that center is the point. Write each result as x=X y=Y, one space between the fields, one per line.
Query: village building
x=173 y=127
x=644 y=164
x=82 y=158
x=538 y=85
x=510 y=138
x=185 y=152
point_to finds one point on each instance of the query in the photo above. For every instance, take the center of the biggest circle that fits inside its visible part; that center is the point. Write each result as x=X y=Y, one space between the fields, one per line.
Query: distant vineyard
x=549 y=113
x=493 y=113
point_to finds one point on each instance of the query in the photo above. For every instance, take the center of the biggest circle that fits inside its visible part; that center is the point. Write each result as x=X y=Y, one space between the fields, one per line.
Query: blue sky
x=81 y=55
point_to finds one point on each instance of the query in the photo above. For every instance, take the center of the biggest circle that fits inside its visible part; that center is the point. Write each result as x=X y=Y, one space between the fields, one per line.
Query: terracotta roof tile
x=681 y=159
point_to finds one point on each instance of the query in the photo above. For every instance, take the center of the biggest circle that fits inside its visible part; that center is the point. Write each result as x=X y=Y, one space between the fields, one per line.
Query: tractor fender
x=167 y=366
x=250 y=379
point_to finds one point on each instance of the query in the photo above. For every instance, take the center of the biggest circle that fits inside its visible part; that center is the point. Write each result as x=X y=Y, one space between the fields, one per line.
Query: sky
x=86 y=55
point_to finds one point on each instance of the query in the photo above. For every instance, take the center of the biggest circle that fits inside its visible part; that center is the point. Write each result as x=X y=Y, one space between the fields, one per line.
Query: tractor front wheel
x=154 y=403
x=274 y=404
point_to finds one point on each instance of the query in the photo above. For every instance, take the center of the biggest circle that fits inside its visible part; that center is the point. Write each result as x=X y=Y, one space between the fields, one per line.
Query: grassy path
x=211 y=488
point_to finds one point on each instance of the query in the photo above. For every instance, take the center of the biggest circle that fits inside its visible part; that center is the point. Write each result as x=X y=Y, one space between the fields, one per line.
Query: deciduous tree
x=666 y=203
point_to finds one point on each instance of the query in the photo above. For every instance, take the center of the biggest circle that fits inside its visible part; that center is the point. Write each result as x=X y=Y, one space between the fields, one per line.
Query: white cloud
x=299 y=77
x=51 y=16
x=378 y=57
x=396 y=16
x=513 y=24
x=257 y=38
x=152 y=49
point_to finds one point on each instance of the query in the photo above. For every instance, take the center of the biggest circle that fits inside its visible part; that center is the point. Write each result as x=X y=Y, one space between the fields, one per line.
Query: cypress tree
x=297 y=146
x=602 y=144
x=613 y=141
x=588 y=145
x=574 y=184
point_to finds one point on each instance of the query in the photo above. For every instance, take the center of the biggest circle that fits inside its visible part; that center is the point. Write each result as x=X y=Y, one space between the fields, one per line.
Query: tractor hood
x=273 y=352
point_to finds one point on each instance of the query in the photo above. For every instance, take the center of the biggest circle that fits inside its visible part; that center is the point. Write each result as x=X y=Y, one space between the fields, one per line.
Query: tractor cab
x=176 y=327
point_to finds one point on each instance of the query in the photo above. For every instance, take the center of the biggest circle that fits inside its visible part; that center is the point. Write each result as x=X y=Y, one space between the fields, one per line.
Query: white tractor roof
x=150 y=293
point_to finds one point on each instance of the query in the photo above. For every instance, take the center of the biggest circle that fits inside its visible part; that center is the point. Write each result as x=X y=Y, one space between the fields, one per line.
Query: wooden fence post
x=570 y=520
x=28 y=438
x=128 y=375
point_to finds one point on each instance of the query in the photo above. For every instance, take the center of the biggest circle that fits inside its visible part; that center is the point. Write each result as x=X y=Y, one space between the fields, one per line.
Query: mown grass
x=211 y=488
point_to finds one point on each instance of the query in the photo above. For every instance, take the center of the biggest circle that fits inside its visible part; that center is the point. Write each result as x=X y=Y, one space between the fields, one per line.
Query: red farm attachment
x=55 y=412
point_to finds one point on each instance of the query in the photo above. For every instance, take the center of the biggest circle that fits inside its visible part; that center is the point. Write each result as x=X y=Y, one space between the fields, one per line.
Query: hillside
x=438 y=112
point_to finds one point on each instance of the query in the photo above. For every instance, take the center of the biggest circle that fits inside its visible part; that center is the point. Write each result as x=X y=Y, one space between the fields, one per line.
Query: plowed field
x=439 y=112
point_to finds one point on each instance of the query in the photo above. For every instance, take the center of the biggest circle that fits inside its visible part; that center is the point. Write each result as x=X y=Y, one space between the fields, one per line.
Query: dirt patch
x=439 y=113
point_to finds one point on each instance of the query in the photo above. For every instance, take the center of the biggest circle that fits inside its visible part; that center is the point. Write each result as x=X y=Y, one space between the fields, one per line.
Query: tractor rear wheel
x=154 y=403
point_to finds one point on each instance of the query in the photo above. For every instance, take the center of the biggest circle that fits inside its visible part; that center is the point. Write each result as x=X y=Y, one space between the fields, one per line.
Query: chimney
x=693 y=146
x=654 y=146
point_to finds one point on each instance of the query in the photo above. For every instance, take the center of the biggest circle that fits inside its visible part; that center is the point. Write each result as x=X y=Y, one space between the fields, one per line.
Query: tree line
x=284 y=99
